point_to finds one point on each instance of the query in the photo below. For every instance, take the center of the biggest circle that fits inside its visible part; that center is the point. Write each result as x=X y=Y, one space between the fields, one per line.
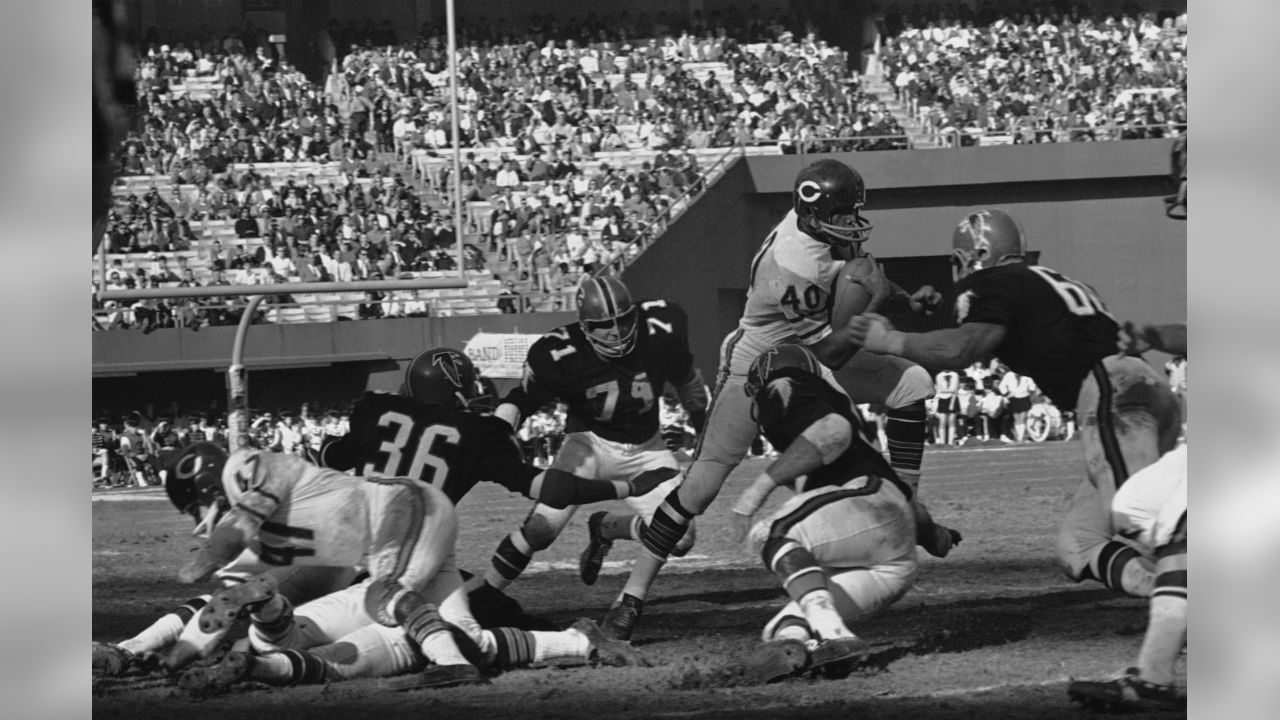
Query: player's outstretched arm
x=1141 y=337
x=952 y=348
x=820 y=443
x=561 y=489
x=228 y=539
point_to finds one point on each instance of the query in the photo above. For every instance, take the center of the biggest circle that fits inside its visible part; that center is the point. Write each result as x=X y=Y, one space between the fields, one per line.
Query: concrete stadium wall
x=1093 y=210
x=327 y=363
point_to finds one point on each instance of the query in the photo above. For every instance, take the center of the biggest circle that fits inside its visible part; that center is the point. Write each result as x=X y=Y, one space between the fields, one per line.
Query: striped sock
x=512 y=557
x=905 y=428
x=1122 y=568
x=305 y=668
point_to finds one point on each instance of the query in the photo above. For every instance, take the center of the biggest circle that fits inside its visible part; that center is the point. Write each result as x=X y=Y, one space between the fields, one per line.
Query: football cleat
x=436 y=676
x=111 y=660
x=608 y=652
x=1126 y=692
x=213 y=679
x=825 y=653
x=217 y=618
x=227 y=606
x=621 y=619
x=592 y=558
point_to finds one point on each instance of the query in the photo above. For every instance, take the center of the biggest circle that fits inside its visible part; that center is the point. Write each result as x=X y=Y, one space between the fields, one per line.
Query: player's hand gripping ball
x=861 y=287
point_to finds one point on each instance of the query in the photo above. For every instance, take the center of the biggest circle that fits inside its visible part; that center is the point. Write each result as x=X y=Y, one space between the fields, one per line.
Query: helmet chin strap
x=207 y=521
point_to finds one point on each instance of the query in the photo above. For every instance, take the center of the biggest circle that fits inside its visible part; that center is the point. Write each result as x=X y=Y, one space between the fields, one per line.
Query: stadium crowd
x=1044 y=77
x=582 y=137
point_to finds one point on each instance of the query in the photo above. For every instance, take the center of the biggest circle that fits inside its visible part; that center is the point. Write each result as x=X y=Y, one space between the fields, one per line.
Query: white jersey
x=308 y=515
x=788 y=298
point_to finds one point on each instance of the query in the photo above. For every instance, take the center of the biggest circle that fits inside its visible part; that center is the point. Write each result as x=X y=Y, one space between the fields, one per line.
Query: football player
x=1151 y=508
x=609 y=369
x=196 y=491
x=789 y=299
x=1056 y=330
x=431 y=433
x=403 y=529
x=844 y=546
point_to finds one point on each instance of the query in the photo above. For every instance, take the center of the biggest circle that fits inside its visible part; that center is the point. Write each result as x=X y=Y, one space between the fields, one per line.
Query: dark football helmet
x=445 y=377
x=780 y=361
x=193 y=481
x=984 y=239
x=828 y=198
x=607 y=316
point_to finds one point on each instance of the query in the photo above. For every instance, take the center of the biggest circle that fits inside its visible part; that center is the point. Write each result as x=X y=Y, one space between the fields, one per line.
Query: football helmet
x=445 y=377
x=780 y=361
x=607 y=316
x=828 y=197
x=194 y=482
x=984 y=239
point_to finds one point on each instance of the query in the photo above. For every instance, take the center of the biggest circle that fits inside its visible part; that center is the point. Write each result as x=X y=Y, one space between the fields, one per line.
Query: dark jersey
x=397 y=436
x=788 y=406
x=616 y=399
x=1056 y=329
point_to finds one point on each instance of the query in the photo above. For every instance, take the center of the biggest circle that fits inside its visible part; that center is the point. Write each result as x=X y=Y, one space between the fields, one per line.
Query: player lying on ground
x=1057 y=331
x=1151 y=508
x=790 y=299
x=609 y=368
x=199 y=494
x=412 y=608
x=431 y=432
x=844 y=546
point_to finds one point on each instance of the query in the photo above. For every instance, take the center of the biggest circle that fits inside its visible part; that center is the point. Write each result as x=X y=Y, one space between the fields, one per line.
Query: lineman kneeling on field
x=845 y=546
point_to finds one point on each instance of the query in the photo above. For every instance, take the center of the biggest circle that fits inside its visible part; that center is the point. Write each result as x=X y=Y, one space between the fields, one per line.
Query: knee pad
x=388 y=602
x=914 y=385
x=538 y=533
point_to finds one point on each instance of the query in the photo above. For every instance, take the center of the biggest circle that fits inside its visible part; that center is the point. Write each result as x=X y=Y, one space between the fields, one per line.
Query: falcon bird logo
x=451 y=365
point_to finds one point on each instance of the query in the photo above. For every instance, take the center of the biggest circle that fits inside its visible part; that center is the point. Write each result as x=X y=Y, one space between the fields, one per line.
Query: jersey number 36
x=412 y=451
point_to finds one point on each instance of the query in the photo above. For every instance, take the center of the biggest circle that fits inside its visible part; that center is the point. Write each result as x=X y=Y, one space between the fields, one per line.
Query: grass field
x=993 y=631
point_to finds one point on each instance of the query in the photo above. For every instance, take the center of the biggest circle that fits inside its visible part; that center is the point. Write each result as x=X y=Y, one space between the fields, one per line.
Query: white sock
x=792 y=632
x=566 y=643
x=442 y=650
x=159 y=634
x=1165 y=638
x=820 y=610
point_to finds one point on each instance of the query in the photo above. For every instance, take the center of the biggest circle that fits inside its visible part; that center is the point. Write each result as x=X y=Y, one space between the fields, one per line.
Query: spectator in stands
x=282 y=264
x=509 y=301
x=246 y=226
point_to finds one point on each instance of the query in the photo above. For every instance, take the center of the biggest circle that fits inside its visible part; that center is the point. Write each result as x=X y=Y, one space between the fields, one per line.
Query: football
x=848 y=297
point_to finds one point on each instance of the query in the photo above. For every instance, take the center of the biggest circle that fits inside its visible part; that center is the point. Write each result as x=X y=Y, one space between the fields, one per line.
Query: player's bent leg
x=1088 y=550
x=806 y=583
x=543 y=525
